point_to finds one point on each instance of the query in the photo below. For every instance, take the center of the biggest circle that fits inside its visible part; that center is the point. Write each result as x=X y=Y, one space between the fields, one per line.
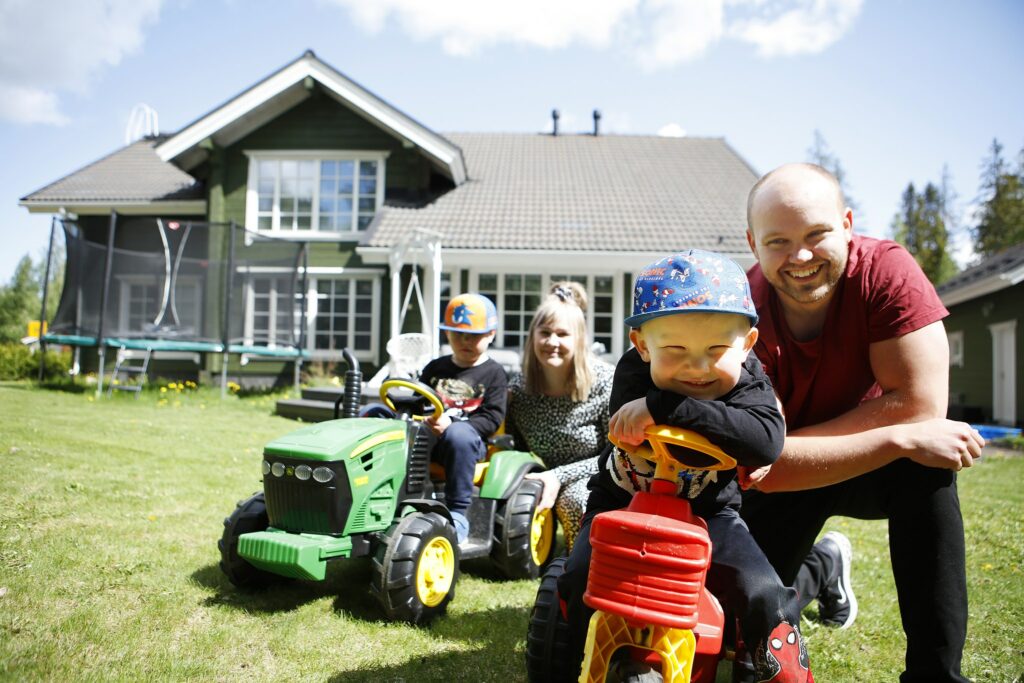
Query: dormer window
x=328 y=194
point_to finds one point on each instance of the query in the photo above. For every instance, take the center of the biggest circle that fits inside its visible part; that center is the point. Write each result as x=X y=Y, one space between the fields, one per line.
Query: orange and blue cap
x=472 y=313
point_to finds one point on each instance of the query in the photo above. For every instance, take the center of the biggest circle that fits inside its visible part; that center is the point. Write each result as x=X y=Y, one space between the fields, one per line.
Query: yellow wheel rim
x=435 y=571
x=542 y=535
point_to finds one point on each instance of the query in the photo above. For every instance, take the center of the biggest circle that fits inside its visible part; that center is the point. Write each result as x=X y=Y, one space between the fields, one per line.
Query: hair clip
x=564 y=294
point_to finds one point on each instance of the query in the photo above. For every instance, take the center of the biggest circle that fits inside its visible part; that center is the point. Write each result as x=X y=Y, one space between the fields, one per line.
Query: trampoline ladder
x=131 y=365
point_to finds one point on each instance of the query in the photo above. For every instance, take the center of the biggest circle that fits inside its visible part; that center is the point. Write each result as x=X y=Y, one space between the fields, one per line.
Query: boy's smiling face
x=695 y=354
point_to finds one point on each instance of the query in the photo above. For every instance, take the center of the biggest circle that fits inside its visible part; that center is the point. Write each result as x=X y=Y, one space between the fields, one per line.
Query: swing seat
x=407 y=354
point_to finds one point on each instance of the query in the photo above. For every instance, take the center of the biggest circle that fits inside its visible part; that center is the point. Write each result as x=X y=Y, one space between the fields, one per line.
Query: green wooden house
x=986 y=346
x=380 y=200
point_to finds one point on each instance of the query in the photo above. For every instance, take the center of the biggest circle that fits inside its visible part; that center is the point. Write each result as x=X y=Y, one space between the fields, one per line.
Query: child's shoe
x=461 y=526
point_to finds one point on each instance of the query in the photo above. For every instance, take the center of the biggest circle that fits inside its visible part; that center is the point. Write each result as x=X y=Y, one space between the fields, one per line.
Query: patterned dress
x=567 y=435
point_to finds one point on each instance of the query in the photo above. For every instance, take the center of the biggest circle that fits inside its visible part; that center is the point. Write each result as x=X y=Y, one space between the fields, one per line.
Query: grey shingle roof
x=1006 y=260
x=580 y=192
x=133 y=173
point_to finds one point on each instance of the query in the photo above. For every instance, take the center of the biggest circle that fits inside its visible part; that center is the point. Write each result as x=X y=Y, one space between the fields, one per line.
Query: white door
x=1004 y=372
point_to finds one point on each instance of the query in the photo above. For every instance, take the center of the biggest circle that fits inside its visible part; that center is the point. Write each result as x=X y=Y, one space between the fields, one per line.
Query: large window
x=517 y=296
x=326 y=193
x=342 y=311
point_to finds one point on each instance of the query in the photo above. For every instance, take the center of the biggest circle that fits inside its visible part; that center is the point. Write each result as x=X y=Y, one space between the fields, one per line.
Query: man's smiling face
x=800 y=233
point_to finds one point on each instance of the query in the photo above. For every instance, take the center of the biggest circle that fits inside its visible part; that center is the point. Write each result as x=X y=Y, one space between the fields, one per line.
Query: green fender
x=505 y=471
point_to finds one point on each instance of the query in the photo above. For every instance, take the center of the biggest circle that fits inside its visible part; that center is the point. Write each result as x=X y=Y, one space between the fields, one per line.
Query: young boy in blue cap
x=473 y=389
x=693 y=330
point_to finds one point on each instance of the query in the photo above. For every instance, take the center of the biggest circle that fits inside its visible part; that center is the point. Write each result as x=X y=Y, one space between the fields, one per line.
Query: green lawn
x=110 y=511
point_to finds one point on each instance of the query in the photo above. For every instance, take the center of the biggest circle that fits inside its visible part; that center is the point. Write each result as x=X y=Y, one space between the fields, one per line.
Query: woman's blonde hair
x=570 y=299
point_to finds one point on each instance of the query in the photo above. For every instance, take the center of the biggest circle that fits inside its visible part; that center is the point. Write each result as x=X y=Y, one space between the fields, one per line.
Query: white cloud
x=29 y=105
x=61 y=45
x=655 y=33
x=806 y=28
x=672 y=130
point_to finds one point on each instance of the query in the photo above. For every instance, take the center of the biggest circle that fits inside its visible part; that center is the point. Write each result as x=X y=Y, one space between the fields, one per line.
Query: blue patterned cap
x=694 y=281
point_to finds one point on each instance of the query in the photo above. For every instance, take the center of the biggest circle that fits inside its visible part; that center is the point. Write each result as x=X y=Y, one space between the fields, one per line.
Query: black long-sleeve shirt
x=477 y=394
x=745 y=423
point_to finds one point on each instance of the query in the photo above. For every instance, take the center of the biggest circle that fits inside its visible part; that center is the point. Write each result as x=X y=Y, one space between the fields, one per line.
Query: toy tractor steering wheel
x=674 y=447
x=417 y=388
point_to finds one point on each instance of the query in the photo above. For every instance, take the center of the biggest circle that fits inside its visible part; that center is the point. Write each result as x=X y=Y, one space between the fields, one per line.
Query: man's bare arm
x=906 y=421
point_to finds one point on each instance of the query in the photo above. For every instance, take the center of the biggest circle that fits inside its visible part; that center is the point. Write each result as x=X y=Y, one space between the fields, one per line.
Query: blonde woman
x=558 y=406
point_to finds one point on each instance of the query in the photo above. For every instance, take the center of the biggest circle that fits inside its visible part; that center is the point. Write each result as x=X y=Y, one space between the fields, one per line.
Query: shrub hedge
x=18 y=361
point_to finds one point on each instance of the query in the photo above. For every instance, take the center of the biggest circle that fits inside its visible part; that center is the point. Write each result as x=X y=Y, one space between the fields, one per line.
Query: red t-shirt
x=884 y=294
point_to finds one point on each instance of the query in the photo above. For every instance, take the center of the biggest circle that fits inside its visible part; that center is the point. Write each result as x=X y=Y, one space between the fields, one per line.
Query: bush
x=18 y=361
x=1013 y=442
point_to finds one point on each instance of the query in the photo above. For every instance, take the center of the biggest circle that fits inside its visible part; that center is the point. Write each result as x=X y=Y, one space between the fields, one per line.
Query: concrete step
x=305 y=409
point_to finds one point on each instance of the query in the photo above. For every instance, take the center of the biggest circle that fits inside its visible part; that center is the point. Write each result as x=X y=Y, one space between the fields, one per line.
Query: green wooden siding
x=971 y=385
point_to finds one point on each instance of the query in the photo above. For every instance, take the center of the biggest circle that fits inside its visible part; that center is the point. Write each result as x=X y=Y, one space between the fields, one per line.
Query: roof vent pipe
x=597 y=122
x=554 y=121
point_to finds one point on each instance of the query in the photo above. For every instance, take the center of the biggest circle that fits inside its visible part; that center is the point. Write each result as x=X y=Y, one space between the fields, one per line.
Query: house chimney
x=554 y=121
x=597 y=122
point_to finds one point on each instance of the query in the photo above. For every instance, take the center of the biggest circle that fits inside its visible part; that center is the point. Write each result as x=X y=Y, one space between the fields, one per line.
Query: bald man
x=853 y=341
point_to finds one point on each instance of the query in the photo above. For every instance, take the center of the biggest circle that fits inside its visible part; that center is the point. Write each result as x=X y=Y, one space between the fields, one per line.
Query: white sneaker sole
x=845 y=587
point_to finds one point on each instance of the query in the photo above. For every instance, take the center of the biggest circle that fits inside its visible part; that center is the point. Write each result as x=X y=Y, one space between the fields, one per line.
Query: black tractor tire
x=547 y=636
x=415 y=568
x=249 y=515
x=512 y=551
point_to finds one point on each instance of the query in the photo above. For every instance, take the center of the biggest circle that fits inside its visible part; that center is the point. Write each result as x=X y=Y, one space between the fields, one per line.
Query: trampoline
x=164 y=285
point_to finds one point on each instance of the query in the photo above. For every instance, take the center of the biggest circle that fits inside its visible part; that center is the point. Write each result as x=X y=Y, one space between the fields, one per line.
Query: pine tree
x=1001 y=213
x=820 y=154
x=921 y=228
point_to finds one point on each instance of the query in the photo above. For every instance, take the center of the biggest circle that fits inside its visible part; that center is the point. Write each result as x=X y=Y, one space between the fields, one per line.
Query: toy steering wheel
x=672 y=447
x=417 y=388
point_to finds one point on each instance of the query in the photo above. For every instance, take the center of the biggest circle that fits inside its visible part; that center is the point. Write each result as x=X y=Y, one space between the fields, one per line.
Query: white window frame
x=316 y=156
x=312 y=304
x=617 y=296
x=956 y=348
x=313 y=274
x=125 y=283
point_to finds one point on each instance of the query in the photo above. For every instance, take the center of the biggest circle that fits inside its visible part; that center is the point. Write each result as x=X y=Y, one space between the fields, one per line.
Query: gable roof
x=585 y=193
x=285 y=88
x=133 y=176
x=997 y=272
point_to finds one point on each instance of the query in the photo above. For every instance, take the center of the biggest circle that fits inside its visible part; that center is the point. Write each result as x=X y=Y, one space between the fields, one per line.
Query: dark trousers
x=459 y=449
x=926 y=545
x=739 y=576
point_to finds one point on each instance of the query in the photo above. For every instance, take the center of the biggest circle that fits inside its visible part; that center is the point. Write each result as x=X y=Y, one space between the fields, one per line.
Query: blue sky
x=898 y=88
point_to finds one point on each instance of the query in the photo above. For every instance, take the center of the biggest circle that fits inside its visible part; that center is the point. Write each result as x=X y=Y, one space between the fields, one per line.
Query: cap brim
x=638 y=320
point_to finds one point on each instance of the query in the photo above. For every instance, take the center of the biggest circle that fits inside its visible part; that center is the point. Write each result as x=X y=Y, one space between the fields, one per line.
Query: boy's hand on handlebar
x=438 y=425
x=628 y=423
x=551 y=488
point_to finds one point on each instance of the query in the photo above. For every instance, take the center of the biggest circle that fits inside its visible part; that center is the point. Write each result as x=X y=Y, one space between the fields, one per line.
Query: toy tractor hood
x=337 y=439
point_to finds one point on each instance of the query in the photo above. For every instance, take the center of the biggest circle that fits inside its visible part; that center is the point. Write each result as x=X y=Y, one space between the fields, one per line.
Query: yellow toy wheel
x=524 y=537
x=415 y=568
x=542 y=535
x=435 y=571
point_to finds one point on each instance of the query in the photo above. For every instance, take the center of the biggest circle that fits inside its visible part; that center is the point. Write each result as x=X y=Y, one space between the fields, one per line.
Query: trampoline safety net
x=185 y=285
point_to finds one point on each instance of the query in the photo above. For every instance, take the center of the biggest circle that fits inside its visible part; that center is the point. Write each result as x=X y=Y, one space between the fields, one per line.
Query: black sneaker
x=837 y=605
x=627 y=671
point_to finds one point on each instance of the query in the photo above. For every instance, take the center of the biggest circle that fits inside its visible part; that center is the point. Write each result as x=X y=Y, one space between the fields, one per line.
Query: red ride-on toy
x=646 y=579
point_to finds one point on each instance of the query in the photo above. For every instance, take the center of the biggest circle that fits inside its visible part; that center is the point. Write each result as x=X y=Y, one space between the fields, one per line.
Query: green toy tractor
x=364 y=487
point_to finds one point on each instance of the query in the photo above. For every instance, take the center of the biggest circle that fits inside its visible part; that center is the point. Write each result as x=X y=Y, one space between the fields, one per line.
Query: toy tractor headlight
x=303 y=472
x=277 y=469
x=323 y=475
x=266 y=468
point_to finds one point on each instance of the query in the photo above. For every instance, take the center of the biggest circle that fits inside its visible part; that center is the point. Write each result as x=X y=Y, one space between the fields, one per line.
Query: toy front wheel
x=249 y=515
x=547 y=636
x=416 y=567
x=524 y=537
